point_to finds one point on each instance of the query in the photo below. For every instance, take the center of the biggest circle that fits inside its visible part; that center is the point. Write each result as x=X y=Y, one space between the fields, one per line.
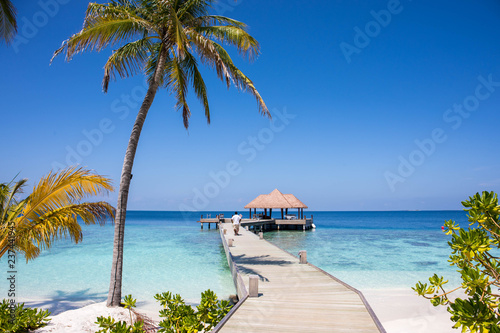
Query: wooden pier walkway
x=292 y=297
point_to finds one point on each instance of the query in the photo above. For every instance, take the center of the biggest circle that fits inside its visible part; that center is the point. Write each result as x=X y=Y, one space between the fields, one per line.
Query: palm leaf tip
x=8 y=22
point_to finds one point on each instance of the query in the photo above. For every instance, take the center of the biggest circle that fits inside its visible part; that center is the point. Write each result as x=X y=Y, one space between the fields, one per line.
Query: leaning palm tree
x=164 y=39
x=8 y=23
x=51 y=211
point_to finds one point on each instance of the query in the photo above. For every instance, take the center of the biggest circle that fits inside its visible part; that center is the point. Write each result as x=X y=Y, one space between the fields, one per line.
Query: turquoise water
x=373 y=250
x=168 y=251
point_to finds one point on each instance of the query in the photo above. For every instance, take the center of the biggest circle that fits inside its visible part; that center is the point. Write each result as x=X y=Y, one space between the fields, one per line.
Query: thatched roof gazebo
x=276 y=200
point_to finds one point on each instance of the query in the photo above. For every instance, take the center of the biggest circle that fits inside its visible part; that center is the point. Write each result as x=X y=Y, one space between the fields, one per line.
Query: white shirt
x=236 y=219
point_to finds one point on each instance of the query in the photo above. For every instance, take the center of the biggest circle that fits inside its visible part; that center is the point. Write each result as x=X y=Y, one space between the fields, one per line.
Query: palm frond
x=177 y=82
x=176 y=34
x=8 y=200
x=213 y=20
x=241 y=81
x=59 y=223
x=209 y=55
x=105 y=25
x=193 y=9
x=51 y=211
x=67 y=187
x=126 y=61
x=190 y=67
x=8 y=23
x=242 y=40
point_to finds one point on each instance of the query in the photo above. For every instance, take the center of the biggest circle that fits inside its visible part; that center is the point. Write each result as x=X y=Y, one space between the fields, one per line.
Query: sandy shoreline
x=399 y=310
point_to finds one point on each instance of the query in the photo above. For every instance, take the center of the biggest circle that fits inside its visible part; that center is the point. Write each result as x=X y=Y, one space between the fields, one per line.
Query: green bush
x=182 y=318
x=475 y=251
x=22 y=319
x=109 y=325
x=178 y=316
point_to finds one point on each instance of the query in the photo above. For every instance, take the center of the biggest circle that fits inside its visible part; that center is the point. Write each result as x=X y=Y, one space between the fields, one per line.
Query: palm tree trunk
x=115 y=285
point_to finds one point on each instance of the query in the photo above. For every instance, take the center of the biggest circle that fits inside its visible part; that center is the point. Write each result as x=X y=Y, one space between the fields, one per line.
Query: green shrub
x=109 y=325
x=182 y=318
x=178 y=316
x=475 y=252
x=21 y=319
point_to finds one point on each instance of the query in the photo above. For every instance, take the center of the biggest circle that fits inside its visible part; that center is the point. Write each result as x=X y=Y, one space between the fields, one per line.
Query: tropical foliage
x=164 y=40
x=179 y=317
x=15 y=318
x=51 y=211
x=476 y=253
x=8 y=23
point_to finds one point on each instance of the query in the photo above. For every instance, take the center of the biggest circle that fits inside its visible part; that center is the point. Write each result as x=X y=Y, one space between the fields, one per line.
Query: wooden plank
x=293 y=297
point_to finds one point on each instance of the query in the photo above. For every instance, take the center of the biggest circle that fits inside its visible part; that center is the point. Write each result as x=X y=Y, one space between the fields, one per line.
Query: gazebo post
x=250 y=213
x=282 y=213
x=265 y=211
x=270 y=212
x=298 y=213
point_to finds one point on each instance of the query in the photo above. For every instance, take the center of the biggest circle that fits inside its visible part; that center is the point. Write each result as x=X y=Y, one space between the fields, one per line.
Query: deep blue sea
x=167 y=251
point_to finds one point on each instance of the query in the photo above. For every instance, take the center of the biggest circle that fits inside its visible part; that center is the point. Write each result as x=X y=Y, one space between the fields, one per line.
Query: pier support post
x=246 y=227
x=303 y=256
x=201 y=225
x=230 y=242
x=253 y=286
x=261 y=235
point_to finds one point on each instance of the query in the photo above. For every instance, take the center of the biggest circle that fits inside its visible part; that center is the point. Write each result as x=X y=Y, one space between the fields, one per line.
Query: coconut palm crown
x=51 y=211
x=164 y=40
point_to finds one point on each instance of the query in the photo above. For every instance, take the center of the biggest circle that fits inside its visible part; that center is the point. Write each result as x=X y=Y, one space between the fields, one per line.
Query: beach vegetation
x=109 y=325
x=52 y=211
x=179 y=317
x=8 y=22
x=16 y=318
x=475 y=252
x=165 y=41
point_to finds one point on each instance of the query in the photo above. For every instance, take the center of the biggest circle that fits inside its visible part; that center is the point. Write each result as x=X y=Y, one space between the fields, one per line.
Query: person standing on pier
x=236 y=223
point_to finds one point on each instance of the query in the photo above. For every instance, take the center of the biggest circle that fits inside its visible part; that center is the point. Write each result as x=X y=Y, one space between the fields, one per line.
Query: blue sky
x=379 y=105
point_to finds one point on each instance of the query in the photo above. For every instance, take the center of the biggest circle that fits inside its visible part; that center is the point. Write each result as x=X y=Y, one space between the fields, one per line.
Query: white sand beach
x=83 y=319
x=399 y=310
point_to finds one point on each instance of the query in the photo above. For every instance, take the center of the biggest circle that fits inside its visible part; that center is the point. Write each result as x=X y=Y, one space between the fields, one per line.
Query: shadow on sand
x=61 y=301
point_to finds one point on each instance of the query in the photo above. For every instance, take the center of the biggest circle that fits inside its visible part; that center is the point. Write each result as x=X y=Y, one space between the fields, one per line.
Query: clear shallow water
x=168 y=251
x=372 y=250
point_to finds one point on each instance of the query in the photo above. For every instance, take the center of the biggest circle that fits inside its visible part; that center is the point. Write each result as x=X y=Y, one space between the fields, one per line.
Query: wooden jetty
x=279 y=292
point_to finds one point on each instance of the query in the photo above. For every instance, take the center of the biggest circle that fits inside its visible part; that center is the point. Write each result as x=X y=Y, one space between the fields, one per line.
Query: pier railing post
x=253 y=286
x=230 y=242
x=261 y=235
x=303 y=256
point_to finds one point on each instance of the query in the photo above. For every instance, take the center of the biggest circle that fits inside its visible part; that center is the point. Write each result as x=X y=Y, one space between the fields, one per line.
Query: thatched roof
x=276 y=199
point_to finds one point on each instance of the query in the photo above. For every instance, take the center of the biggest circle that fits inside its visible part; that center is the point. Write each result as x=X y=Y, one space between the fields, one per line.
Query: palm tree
x=50 y=211
x=160 y=38
x=8 y=24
